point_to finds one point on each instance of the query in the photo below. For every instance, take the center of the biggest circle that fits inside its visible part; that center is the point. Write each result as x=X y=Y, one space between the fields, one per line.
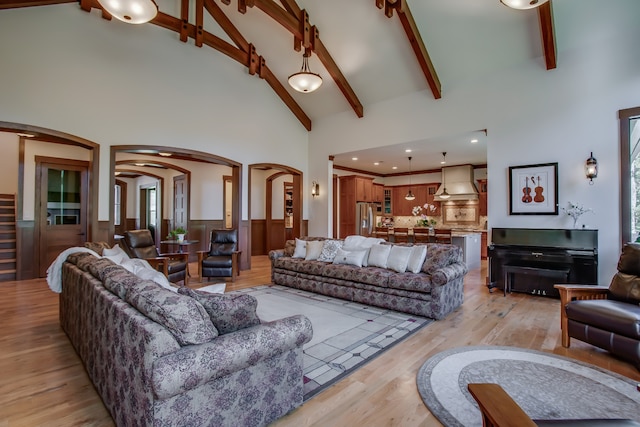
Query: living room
x=104 y=81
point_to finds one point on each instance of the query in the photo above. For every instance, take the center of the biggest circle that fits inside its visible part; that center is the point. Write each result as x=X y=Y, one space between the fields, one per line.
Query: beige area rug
x=346 y=335
x=545 y=385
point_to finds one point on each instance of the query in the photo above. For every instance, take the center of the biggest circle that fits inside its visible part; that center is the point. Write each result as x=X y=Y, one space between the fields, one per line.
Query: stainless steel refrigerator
x=366 y=217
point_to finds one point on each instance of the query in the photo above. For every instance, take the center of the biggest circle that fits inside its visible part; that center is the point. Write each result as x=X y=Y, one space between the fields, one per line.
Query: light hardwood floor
x=44 y=383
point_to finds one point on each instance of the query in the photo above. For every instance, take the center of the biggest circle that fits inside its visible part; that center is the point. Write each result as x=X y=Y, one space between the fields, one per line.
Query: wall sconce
x=591 y=168
x=315 y=189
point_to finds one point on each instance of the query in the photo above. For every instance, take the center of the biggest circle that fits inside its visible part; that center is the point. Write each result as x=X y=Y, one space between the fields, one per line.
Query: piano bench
x=562 y=275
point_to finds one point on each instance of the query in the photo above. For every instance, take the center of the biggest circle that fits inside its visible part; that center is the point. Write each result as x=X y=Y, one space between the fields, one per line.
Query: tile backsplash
x=410 y=221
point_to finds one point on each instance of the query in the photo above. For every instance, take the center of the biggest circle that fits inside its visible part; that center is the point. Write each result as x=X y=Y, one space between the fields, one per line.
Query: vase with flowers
x=575 y=211
x=422 y=212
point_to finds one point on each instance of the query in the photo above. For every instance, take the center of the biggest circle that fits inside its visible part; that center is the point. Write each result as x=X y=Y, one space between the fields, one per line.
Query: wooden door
x=180 y=202
x=228 y=201
x=61 y=207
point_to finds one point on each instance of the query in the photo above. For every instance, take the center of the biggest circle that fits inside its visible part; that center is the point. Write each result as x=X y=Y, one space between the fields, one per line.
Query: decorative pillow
x=184 y=317
x=378 y=255
x=289 y=247
x=416 y=259
x=97 y=247
x=399 y=258
x=329 y=250
x=301 y=249
x=314 y=249
x=228 y=313
x=350 y=257
x=353 y=242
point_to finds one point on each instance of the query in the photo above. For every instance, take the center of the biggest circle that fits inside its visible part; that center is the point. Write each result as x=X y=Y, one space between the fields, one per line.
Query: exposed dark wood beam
x=417 y=44
x=295 y=25
x=184 y=16
x=547 y=33
x=291 y=6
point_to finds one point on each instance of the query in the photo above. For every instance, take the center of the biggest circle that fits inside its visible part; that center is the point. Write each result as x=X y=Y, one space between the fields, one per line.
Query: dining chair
x=421 y=235
x=442 y=235
x=381 y=232
x=400 y=234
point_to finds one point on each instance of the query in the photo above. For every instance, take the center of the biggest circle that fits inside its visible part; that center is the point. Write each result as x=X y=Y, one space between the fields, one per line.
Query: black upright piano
x=533 y=260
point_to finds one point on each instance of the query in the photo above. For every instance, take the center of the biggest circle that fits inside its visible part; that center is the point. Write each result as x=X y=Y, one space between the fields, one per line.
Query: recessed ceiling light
x=164 y=154
x=376 y=163
x=394 y=168
x=354 y=158
x=474 y=141
x=25 y=135
x=408 y=150
x=139 y=164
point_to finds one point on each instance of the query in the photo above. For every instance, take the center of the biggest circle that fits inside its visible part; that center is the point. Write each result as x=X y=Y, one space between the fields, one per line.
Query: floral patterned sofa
x=158 y=357
x=435 y=291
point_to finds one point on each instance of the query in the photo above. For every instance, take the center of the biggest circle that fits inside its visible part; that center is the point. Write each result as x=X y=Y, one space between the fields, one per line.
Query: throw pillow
x=399 y=258
x=301 y=249
x=378 y=255
x=314 y=249
x=416 y=259
x=352 y=242
x=329 y=250
x=184 y=317
x=97 y=247
x=228 y=313
x=350 y=257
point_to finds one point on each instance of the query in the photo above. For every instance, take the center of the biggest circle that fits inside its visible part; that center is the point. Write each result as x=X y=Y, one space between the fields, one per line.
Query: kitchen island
x=469 y=242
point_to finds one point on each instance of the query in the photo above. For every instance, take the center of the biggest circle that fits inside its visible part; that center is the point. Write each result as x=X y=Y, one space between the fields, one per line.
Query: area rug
x=546 y=386
x=346 y=335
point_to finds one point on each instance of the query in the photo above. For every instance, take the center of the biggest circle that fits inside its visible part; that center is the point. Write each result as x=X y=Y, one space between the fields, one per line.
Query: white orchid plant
x=575 y=211
x=423 y=212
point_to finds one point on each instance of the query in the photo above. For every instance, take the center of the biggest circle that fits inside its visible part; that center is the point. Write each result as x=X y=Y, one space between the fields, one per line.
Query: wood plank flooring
x=44 y=383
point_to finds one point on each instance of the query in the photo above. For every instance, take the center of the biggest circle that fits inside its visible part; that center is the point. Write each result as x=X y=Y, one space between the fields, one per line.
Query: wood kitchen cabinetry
x=424 y=194
x=482 y=197
x=378 y=193
x=353 y=189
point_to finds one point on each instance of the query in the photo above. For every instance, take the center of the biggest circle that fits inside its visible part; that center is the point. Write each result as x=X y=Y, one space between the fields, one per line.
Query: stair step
x=8 y=271
x=7 y=260
x=7 y=240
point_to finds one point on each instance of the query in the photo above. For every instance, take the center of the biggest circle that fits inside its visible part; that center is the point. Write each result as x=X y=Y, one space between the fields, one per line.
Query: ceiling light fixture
x=305 y=81
x=444 y=194
x=163 y=154
x=523 y=4
x=131 y=11
x=474 y=141
x=409 y=195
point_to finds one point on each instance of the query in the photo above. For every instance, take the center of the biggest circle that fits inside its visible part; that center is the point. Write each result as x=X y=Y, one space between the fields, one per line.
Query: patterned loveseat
x=435 y=291
x=182 y=367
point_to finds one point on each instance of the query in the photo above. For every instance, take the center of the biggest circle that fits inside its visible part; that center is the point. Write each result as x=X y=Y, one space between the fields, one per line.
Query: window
x=117 y=196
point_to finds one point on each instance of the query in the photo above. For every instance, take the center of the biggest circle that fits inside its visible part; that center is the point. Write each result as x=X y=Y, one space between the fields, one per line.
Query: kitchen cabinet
x=404 y=207
x=470 y=245
x=360 y=186
x=483 y=245
x=431 y=193
x=482 y=197
x=387 y=204
x=378 y=193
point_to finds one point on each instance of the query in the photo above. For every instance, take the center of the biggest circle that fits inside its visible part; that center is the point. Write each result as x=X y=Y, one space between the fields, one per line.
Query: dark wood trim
x=547 y=34
x=385 y=175
x=20 y=193
x=334 y=181
x=624 y=120
x=123 y=209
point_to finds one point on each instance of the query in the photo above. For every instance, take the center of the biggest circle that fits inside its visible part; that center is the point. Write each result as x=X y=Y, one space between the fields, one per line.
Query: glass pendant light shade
x=131 y=11
x=523 y=4
x=305 y=81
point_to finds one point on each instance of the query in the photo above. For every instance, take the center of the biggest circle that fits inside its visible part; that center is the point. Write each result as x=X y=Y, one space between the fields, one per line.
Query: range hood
x=459 y=182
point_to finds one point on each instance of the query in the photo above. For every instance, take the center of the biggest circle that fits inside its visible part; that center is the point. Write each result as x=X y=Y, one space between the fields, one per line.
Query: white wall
x=532 y=116
x=119 y=84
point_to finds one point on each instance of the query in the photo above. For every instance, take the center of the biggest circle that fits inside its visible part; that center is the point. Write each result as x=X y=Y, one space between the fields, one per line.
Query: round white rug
x=546 y=386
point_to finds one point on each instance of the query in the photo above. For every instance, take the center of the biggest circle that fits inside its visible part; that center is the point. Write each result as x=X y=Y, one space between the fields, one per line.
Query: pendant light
x=409 y=195
x=444 y=194
x=305 y=81
x=523 y=4
x=131 y=11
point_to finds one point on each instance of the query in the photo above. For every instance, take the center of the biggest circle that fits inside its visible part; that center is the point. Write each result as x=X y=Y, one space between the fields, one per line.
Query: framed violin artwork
x=533 y=189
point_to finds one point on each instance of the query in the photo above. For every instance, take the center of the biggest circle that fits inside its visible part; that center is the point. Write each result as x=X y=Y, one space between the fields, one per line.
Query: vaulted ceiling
x=367 y=51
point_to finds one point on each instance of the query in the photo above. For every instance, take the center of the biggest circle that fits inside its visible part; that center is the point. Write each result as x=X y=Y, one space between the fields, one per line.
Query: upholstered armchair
x=139 y=244
x=221 y=260
x=607 y=317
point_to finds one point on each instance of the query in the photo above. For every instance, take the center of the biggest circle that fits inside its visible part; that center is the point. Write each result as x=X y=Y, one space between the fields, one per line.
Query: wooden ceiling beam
x=171 y=23
x=227 y=26
x=547 y=33
x=184 y=17
x=417 y=44
x=295 y=25
x=291 y=6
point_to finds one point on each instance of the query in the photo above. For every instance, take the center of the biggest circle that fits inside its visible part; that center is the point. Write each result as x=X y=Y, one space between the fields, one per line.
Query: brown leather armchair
x=139 y=244
x=221 y=260
x=607 y=317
